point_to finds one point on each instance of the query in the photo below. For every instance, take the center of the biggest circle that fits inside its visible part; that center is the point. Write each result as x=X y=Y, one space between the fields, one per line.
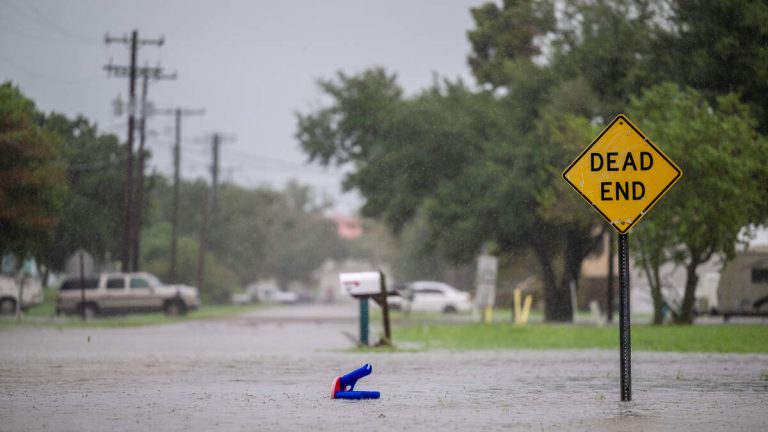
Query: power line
x=34 y=15
x=30 y=37
x=54 y=25
x=268 y=159
x=47 y=78
x=274 y=164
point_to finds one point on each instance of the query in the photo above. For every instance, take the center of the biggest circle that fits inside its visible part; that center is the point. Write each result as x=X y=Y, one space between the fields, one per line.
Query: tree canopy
x=254 y=234
x=725 y=164
x=469 y=159
x=91 y=213
x=61 y=189
x=483 y=163
x=31 y=177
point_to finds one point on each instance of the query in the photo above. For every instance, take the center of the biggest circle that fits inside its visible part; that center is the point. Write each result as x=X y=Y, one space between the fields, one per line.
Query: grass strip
x=206 y=312
x=700 y=338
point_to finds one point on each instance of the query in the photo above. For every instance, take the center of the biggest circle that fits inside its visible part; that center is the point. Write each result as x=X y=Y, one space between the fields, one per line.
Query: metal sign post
x=624 y=337
x=622 y=174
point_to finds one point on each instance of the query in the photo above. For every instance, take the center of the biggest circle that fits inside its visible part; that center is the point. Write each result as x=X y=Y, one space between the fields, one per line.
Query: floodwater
x=272 y=370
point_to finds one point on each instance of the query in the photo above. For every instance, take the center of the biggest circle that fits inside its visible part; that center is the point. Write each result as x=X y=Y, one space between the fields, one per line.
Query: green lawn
x=700 y=338
x=44 y=315
x=47 y=307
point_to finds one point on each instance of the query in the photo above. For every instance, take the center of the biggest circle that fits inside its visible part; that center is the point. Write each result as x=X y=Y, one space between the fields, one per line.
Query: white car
x=9 y=293
x=277 y=296
x=432 y=296
x=13 y=282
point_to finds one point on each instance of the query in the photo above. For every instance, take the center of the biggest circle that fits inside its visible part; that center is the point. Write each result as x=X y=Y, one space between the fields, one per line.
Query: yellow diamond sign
x=622 y=174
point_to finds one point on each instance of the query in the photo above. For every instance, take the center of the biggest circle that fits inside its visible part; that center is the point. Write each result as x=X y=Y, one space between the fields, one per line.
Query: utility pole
x=146 y=74
x=177 y=113
x=215 y=173
x=210 y=208
x=134 y=42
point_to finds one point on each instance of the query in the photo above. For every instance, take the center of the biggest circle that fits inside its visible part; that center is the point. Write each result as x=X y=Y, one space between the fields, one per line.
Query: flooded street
x=272 y=370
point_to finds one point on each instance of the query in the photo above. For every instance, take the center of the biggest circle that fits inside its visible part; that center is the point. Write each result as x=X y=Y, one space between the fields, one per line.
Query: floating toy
x=344 y=386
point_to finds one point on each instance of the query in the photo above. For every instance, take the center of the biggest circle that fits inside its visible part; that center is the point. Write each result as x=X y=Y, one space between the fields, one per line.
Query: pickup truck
x=107 y=293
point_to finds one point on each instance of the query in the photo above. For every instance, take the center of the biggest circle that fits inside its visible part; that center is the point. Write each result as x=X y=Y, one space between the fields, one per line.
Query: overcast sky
x=250 y=64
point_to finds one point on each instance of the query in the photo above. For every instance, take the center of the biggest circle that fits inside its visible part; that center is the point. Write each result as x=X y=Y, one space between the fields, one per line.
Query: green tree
x=238 y=231
x=505 y=34
x=91 y=215
x=220 y=280
x=300 y=238
x=483 y=166
x=31 y=180
x=718 y=47
x=725 y=164
x=607 y=45
x=613 y=48
x=516 y=198
x=255 y=233
x=413 y=258
x=480 y=167
x=401 y=149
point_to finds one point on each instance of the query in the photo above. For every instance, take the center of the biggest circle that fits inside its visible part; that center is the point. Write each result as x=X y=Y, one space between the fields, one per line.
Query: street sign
x=485 y=285
x=622 y=174
x=487 y=268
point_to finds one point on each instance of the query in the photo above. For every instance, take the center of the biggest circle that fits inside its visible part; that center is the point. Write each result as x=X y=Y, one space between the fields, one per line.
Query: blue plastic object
x=344 y=386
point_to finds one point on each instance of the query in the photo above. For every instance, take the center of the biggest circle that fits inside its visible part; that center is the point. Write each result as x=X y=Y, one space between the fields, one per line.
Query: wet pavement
x=272 y=370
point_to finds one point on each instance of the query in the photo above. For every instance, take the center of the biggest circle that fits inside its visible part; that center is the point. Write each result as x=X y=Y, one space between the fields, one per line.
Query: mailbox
x=364 y=284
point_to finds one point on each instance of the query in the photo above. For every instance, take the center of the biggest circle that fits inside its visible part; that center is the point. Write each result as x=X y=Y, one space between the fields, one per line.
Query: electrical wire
x=48 y=78
x=15 y=31
x=33 y=14
x=271 y=160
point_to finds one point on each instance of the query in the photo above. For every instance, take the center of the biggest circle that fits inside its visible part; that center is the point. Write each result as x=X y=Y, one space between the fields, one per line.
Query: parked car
x=125 y=292
x=13 y=281
x=9 y=293
x=431 y=296
x=269 y=295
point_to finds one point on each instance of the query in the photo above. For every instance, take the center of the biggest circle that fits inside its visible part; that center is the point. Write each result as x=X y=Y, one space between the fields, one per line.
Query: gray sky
x=250 y=64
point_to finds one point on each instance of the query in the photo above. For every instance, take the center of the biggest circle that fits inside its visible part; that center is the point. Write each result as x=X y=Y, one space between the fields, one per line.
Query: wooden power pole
x=131 y=72
x=178 y=113
x=210 y=208
x=138 y=207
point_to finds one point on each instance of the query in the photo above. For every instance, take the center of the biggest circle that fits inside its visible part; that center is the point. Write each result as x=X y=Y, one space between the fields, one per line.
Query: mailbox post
x=364 y=286
x=364 y=319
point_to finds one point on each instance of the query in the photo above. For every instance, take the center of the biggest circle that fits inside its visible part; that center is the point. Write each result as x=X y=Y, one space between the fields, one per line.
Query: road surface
x=272 y=370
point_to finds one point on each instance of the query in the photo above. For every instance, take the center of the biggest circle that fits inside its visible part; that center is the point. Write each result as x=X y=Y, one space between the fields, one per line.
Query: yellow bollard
x=516 y=300
x=526 y=309
x=488 y=315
